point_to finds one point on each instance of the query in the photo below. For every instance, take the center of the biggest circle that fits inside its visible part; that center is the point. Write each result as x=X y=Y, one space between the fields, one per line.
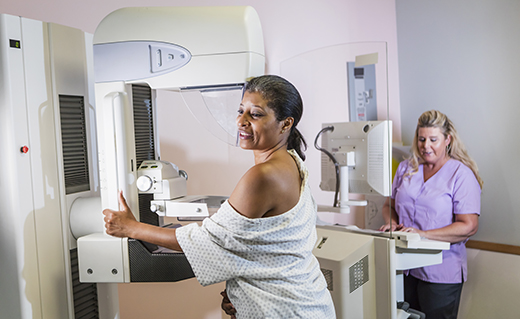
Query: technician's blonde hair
x=455 y=149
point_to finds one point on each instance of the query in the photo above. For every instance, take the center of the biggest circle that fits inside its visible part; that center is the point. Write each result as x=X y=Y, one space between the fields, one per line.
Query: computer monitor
x=365 y=148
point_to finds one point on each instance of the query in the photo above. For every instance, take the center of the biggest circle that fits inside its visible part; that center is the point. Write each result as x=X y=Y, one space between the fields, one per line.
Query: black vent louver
x=85 y=294
x=144 y=143
x=143 y=123
x=74 y=144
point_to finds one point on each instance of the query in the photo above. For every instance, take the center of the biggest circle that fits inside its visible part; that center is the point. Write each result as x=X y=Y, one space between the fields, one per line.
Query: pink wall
x=291 y=27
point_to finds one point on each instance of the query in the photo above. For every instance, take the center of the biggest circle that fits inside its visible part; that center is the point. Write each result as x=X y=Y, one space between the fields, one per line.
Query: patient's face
x=258 y=127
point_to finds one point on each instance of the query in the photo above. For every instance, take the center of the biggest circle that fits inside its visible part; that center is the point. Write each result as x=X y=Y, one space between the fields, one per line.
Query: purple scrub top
x=454 y=189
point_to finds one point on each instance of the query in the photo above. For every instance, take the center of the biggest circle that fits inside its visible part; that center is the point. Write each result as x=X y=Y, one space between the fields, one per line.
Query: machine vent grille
x=328 y=278
x=358 y=274
x=144 y=143
x=143 y=123
x=85 y=295
x=74 y=144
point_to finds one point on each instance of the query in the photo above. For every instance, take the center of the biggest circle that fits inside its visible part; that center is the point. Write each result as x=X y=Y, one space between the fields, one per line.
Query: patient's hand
x=120 y=223
x=227 y=306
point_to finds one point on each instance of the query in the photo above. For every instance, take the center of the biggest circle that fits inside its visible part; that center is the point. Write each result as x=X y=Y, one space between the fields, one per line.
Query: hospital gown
x=267 y=263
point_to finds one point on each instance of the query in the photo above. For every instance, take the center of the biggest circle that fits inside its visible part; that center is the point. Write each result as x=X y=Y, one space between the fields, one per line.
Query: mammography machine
x=50 y=193
x=204 y=53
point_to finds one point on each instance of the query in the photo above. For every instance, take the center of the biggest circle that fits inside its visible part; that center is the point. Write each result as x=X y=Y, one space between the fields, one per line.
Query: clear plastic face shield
x=216 y=109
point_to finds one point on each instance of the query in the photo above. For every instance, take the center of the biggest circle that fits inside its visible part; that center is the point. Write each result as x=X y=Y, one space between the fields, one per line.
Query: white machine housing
x=364 y=268
x=214 y=46
x=42 y=65
x=363 y=152
x=168 y=186
x=162 y=179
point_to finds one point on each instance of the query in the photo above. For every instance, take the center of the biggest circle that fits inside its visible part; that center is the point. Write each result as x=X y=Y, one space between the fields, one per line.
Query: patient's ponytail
x=297 y=142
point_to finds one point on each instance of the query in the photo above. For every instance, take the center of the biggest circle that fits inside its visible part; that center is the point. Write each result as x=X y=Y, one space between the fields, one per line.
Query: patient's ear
x=287 y=124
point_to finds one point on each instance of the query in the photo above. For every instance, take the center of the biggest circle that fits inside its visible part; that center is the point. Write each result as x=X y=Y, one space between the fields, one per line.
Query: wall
x=465 y=55
x=461 y=57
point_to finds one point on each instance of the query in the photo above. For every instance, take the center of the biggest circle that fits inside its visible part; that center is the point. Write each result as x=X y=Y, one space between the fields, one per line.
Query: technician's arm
x=464 y=226
x=387 y=208
x=122 y=223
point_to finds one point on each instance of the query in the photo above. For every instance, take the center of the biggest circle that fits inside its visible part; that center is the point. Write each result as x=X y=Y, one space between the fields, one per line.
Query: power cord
x=336 y=164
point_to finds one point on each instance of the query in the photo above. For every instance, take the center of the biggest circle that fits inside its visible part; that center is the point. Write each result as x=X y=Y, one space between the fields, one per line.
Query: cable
x=336 y=164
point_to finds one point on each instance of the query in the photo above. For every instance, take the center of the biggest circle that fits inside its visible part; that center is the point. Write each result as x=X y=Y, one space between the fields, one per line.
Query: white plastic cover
x=225 y=46
x=135 y=60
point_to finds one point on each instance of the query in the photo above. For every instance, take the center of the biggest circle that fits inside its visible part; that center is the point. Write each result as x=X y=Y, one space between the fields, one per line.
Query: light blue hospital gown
x=267 y=263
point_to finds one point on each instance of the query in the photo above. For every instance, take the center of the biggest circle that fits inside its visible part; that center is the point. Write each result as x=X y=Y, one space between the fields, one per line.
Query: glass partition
x=216 y=109
x=340 y=84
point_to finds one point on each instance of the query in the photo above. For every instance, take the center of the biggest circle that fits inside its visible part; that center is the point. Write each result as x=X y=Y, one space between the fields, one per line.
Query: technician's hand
x=227 y=306
x=121 y=222
x=394 y=227
x=414 y=230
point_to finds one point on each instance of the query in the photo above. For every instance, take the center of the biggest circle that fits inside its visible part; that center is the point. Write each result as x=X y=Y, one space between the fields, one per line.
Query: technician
x=436 y=193
x=260 y=241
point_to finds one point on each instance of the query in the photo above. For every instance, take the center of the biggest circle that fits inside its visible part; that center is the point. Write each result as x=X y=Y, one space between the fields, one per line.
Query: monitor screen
x=363 y=146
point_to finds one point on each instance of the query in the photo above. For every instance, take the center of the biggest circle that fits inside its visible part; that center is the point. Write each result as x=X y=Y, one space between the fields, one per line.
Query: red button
x=24 y=149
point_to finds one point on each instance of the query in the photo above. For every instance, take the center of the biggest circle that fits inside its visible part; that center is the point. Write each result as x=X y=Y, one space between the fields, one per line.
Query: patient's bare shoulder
x=267 y=189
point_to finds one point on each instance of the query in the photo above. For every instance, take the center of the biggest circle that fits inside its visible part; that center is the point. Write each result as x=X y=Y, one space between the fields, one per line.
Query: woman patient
x=260 y=241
